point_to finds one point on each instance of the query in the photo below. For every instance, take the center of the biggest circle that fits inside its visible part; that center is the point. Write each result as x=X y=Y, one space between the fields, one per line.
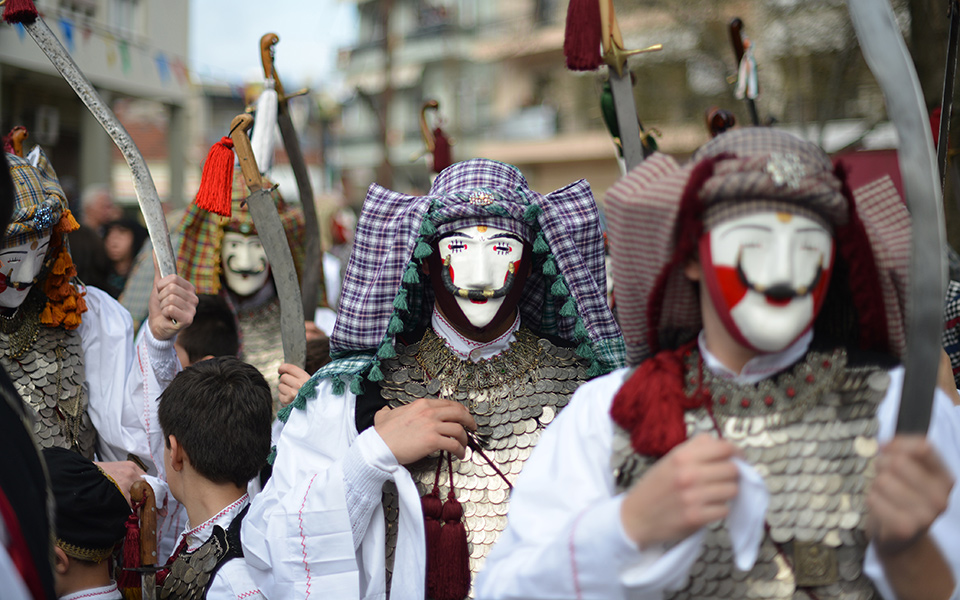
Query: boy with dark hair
x=208 y=471
x=212 y=333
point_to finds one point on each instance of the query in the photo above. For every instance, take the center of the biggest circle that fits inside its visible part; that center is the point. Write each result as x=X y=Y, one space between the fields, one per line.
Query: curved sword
x=142 y=180
x=887 y=56
x=263 y=209
x=313 y=260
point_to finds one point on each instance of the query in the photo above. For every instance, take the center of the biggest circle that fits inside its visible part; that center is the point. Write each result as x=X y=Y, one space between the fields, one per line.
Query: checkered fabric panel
x=472 y=192
x=35 y=187
x=951 y=328
x=642 y=212
x=887 y=223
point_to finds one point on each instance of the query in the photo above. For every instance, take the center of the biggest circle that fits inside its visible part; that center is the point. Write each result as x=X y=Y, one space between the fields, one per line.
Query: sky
x=225 y=39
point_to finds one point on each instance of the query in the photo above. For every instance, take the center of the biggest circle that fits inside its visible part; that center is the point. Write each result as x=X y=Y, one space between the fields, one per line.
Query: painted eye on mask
x=456 y=246
x=503 y=249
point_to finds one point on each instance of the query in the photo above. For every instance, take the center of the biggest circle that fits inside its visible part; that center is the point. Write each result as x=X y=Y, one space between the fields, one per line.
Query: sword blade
x=274 y=240
x=626 y=109
x=146 y=190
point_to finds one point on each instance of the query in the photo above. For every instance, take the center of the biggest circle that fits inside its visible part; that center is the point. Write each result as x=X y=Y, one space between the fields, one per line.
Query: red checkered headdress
x=658 y=211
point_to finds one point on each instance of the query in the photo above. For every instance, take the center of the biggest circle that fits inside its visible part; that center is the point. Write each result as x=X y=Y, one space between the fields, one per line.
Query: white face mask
x=20 y=266
x=767 y=274
x=479 y=266
x=244 y=263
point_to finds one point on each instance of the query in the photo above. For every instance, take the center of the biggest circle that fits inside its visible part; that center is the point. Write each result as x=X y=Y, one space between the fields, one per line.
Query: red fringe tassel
x=20 y=11
x=581 y=43
x=216 y=182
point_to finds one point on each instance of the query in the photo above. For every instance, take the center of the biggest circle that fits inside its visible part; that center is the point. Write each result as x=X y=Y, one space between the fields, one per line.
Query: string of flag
x=169 y=67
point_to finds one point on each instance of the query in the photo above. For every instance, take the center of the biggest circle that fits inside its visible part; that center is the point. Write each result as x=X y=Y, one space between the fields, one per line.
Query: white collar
x=107 y=592
x=761 y=366
x=201 y=533
x=466 y=348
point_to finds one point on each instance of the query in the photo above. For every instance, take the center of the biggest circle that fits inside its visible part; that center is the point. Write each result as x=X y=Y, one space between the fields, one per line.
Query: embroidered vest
x=192 y=573
x=811 y=434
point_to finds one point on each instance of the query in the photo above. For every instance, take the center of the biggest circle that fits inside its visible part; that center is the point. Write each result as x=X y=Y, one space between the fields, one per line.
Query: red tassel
x=216 y=182
x=20 y=11
x=442 y=154
x=432 y=510
x=455 y=580
x=130 y=556
x=581 y=44
x=650 y=405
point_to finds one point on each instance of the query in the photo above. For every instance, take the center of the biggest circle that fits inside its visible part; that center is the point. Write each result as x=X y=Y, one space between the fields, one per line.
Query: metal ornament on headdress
x=889 y=60
x=786 y=170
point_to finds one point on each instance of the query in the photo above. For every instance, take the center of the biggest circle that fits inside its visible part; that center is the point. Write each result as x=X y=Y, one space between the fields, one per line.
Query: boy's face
x=767 y=275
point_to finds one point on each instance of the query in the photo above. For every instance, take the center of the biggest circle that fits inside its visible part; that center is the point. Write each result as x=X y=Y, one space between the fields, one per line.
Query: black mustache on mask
x=263 y=267
x=460 y=292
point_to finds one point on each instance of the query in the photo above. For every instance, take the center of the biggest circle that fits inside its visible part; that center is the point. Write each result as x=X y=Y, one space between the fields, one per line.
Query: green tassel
x=272 y=457
x=569 y=308
x=375 y=373
x=412 y=274
x=540 y=244
x=395 y=326
x=531 y=213
x=386 y=350
x=284 y=413
x=300 y=402
x=584 y=350
x=497 y=210
x=427 y=228
x=400 y=302
x=422 y=250
x=356 y=385
x=559 y=288
x=339 y=386
x=594 y=370
x=550 y=266
x=580 y=331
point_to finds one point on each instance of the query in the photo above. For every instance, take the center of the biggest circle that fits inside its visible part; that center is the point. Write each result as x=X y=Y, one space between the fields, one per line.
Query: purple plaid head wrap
x=383 y=291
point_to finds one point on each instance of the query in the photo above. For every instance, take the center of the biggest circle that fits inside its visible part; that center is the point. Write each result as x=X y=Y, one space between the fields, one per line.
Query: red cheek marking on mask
x=731 y=287
x=516 y=269
x=452 y=278
x=3 y=283
x=820 y=292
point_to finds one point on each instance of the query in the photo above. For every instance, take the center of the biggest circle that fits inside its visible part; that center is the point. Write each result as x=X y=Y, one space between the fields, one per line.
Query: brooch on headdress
x=43 y=217
x=481 y=198
x=786 y=170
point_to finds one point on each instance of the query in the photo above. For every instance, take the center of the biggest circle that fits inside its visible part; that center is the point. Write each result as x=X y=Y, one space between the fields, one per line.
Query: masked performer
x=224 y=256
x=70 y=349
x=483 y=293
x=749 y=453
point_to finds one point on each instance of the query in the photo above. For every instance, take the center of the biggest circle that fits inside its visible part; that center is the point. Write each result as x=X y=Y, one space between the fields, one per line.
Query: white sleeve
x=124 y=381
x=299 y=533
x=564 y=537
x=944 y=434
x=233 y=582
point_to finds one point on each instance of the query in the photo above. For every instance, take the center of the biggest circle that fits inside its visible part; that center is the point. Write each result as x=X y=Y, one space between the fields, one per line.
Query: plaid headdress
x=658 y=211
x=41 y=207
x=198 y=255
x=384 y=292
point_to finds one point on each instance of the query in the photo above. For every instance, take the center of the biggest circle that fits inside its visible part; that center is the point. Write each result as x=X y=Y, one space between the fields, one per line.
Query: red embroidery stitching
x=573 y=559
x=303 y=537
x=209 y=522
